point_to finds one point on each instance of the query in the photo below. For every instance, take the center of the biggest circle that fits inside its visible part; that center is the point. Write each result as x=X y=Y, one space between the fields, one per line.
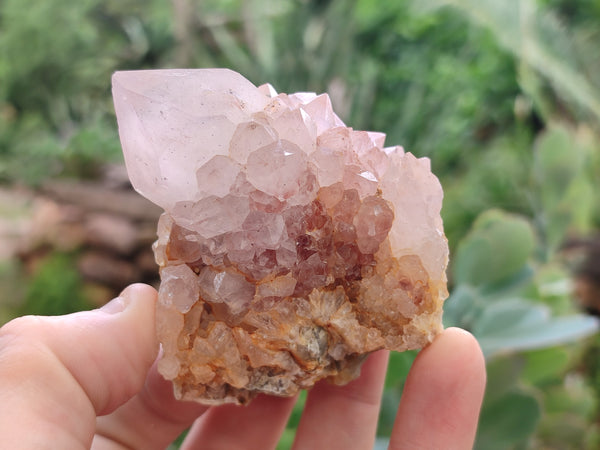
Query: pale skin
x=88 y=380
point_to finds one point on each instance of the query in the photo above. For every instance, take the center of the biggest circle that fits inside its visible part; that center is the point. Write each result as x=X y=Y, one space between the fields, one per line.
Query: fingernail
x=116 y=305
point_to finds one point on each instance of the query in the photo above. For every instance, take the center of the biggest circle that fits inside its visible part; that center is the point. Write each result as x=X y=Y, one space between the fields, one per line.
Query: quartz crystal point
x=291 y=245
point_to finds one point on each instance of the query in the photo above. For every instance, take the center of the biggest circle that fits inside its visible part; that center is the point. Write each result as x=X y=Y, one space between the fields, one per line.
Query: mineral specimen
x=291 y=245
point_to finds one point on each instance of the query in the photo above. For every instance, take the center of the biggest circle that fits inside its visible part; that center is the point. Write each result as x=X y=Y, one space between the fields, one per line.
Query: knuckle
x=19 y=328
x=19 y=339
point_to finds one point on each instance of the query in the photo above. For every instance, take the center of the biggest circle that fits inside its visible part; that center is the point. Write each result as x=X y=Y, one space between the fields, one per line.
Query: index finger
x=442 y=395
x=344 y=417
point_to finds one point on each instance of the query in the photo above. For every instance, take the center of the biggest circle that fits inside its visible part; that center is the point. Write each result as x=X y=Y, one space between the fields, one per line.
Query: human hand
x=89 y=380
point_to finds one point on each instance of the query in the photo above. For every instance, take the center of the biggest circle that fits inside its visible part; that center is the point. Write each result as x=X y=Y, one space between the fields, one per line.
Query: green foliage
x=287 y=438
x=542 y=45
x=497 y=247
x=570 y=409
x=492 y=272
x=496 y=176
x=55 y=289
x=441 y=85
x=398 y=368
x=542 y=366
x=519 y=325
x=513 y=294
x=507 y=421
x=55 y=66
x=564 y=184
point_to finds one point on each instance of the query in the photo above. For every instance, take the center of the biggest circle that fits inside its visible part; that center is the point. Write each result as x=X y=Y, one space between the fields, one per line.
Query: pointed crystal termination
x=291 y=245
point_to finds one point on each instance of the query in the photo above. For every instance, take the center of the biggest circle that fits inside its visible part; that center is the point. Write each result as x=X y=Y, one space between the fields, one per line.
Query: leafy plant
x=55 y=288
x=541 y=43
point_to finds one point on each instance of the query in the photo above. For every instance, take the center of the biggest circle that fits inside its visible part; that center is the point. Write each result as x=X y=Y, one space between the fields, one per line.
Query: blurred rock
x=112 y=232
x=115 y=176
x=105 y=224
x=107 y=269
x=100 y=198
x=146 y=264
x=15 y=220
x=58 y=226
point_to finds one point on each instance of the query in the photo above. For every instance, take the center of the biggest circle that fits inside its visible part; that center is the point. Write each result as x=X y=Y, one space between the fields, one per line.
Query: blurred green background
x=503 y=96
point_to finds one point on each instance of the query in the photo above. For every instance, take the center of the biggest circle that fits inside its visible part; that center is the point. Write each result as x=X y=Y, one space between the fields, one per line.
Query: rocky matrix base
x=291 y=246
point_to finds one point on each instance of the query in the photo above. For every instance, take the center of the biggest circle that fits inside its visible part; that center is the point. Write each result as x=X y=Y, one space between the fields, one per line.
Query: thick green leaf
x=387 y=413
x=503 y=375
x=497 y=247
x=520 y=325
x=545 y=365
x=508 y=315
x=557 y=161
x=287 y=439
x=509 y=286
x=461 y=307
x=507 y=421
x=398 y=368
x=381 y=443
x=294 y=419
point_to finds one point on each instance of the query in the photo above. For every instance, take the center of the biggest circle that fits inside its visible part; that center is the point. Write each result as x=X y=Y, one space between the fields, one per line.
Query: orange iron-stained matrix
x=291 y=245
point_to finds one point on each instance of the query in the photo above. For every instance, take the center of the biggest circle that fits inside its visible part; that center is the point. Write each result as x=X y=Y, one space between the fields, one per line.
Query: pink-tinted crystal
x=291 y=245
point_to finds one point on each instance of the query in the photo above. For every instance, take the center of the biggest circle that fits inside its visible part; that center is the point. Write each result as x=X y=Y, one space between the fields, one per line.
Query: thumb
x=109 y=351
x=83 y=364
